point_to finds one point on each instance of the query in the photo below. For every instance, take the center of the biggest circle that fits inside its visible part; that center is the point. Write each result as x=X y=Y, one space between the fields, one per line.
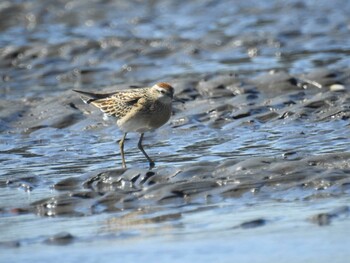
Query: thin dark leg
x=121 y=146
x=151 y=163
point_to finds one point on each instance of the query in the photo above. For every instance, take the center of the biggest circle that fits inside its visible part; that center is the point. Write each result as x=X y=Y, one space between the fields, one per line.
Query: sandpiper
x=136 y=110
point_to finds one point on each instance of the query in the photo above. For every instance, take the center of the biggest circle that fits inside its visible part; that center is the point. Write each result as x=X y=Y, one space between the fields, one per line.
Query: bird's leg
x=151 y=163
x=121 y=146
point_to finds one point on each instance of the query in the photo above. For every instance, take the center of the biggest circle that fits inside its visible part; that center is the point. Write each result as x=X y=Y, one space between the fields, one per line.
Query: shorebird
x=136 y=110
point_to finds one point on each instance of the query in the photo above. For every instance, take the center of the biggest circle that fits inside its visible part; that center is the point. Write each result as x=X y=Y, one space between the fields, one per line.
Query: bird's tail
x=91 y=97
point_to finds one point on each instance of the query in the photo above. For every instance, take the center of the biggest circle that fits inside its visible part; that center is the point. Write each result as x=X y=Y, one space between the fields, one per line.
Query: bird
x=137 y=110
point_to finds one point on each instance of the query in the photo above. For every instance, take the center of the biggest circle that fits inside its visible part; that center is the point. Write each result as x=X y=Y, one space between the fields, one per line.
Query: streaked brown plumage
x=136 y=110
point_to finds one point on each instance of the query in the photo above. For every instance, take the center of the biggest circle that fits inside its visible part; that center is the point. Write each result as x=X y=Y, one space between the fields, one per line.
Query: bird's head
x=164 y=91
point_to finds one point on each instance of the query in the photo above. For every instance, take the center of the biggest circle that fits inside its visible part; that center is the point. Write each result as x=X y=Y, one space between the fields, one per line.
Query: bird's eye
x=162 y=91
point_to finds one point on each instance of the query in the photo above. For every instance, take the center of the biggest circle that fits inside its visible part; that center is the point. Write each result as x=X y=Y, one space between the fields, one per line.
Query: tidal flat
x=253 y=165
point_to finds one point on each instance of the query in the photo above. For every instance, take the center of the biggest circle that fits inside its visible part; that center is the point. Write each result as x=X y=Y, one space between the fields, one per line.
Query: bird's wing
x=119 y=104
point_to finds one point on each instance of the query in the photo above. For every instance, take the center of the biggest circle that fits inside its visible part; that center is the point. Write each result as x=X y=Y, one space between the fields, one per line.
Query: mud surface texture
x=252 y=167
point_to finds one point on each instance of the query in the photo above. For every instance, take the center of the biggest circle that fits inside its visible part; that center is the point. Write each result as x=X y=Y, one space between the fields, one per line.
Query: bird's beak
x=179 y=100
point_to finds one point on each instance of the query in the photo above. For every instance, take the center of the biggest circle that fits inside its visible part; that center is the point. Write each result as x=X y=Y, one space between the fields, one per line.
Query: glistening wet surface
x=252 y=167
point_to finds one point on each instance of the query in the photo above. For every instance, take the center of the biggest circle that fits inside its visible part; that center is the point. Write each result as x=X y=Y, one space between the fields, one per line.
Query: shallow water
x=253 y=165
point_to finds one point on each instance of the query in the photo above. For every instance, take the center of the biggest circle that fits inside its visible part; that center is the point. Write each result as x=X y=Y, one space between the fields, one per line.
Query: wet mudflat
x=253 y=165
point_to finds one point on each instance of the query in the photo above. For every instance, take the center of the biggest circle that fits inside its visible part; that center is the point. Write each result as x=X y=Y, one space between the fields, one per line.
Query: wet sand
x=253 y=165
